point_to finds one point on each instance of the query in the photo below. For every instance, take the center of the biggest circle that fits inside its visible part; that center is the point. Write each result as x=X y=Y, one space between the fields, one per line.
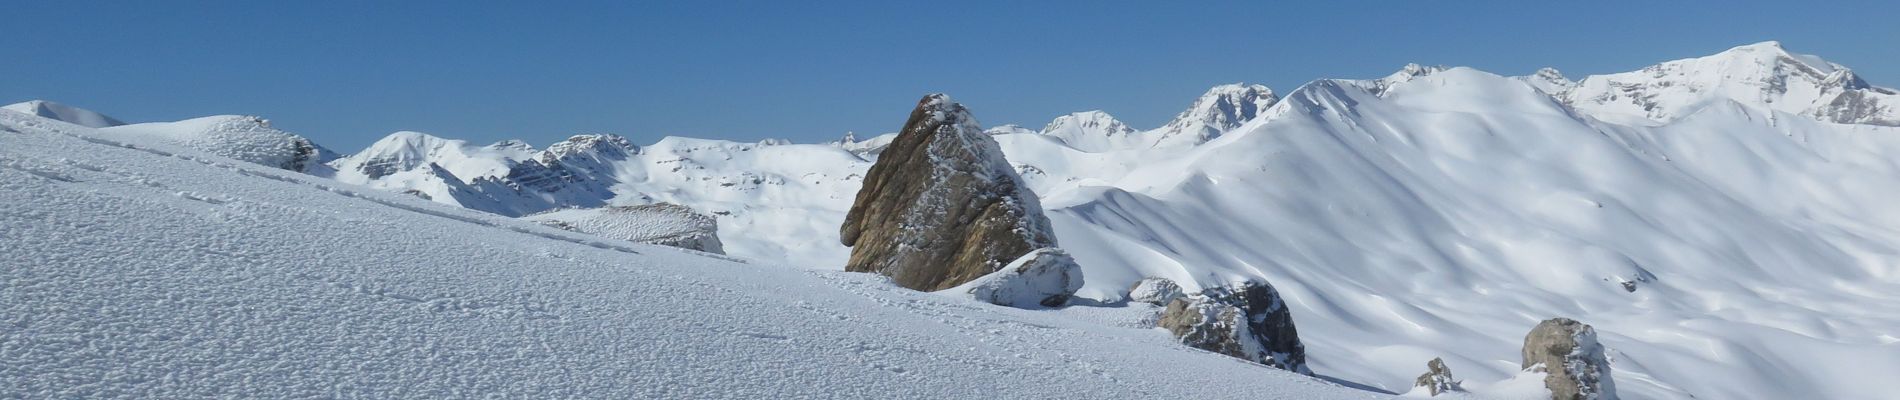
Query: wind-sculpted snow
x=150 y=270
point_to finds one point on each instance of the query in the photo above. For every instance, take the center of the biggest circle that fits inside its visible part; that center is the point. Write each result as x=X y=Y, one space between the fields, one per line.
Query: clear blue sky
x=346 y=73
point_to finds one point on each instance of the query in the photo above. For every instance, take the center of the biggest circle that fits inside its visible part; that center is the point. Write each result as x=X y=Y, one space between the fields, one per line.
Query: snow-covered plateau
x=1725 y=223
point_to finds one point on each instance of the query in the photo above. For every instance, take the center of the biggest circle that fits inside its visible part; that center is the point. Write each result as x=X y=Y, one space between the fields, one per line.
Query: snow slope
x=62 y=112
x=1445 y=214
x=140 y=268
x=246 y=138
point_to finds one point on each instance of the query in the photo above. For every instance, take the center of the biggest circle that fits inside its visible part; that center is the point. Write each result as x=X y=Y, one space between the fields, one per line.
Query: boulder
x=941 y=207
x=1575 y=366
x=1247 y=320
x=1047 y=277
x=1437 y=378
x=1156 y=291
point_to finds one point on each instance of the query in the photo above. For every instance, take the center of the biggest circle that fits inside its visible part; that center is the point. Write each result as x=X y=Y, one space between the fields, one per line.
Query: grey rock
x=1157 y=291
x=1046 y=277
x=941 y=206
x=1437 y=378
x=1247 y=320
x=1575 y=365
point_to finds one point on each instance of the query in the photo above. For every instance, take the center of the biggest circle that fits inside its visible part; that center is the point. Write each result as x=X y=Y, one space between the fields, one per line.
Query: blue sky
x=346 y=73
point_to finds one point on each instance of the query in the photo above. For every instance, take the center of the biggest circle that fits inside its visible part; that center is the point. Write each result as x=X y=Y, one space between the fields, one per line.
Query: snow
x=661 y=224
x=154 y=270
x=246 y=138
x=66 y=113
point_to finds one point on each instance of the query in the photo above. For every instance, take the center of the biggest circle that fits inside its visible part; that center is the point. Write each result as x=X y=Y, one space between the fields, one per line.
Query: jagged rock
x=664 y=224
x=1046 y=277
x=1437 y=378
x=1574 y=363
x=1157 y=291
x=941 y=206
x=1247 y=320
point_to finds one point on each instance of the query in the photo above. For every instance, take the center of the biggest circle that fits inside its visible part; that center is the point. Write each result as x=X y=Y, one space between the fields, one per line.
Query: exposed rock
x=1047 y=277
x=664 y=224
x=1157 y=291
x=1574 y=363
x=1437 y=378
x=941 y=206
x=1222 y=108
x=1247 y=321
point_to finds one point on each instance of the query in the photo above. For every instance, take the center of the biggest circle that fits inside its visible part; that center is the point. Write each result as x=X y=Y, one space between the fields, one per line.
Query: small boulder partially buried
x=1156 y=291
x=942 y=207
x=1437 y=378
x=1574 y=364
x=1247 y=320
x=1047 y=277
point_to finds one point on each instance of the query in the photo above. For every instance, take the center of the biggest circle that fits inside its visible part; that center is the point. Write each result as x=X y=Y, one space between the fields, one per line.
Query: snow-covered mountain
x=146 y=269
x=1724 y=221
x=1761 y=75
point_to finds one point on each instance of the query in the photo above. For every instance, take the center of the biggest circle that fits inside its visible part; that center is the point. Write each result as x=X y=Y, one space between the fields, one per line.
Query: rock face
x=1046 y=277
x=941 y=206
x=1246 y=320
x=1156 y=291
x=1574 y=363
x=1437 y=379
x=664 y=224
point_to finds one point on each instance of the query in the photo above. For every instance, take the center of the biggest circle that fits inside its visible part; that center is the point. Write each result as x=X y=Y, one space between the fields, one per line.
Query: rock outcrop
x=1437 y=378
x=1247 y=320
x=1046 y=277
x=1156 y=291
x=941 y=207
x=1574 y=363
x=664 y=224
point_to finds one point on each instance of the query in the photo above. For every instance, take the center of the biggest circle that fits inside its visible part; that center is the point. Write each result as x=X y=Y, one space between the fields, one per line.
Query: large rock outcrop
x=941 y=207
x=1574 y=363
x=1046 y=277
x=1247 y=320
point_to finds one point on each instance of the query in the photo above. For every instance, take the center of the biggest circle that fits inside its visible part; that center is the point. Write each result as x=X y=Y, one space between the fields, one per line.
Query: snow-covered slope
x=1720 y=256
x=663 y=224
x=246 y=138
x=150 y=270
x=62 y=112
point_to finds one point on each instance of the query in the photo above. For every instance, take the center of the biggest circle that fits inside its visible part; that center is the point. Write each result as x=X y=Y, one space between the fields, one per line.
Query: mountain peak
x=1222 y=108
x=1763 y=75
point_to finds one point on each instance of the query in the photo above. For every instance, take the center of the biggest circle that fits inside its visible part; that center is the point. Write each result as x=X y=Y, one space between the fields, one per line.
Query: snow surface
x=62 y=112
x=662 y=224
x=152 y=270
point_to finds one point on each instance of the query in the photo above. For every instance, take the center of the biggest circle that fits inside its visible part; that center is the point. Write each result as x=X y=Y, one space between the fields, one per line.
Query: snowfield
x=144 y=269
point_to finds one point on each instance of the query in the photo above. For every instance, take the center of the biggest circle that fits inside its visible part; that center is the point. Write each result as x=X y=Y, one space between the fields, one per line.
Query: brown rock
x=941 y=206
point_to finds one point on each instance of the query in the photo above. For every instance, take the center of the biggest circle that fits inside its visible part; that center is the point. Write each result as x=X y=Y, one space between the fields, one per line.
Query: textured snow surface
x=246 y=138
x=157 y=271
x=662 y=224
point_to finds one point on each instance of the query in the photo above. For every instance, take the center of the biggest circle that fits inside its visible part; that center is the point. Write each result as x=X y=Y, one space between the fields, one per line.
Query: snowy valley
x=1724 y=223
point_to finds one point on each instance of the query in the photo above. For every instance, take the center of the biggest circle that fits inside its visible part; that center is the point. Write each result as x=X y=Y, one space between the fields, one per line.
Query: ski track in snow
x=145 y=270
